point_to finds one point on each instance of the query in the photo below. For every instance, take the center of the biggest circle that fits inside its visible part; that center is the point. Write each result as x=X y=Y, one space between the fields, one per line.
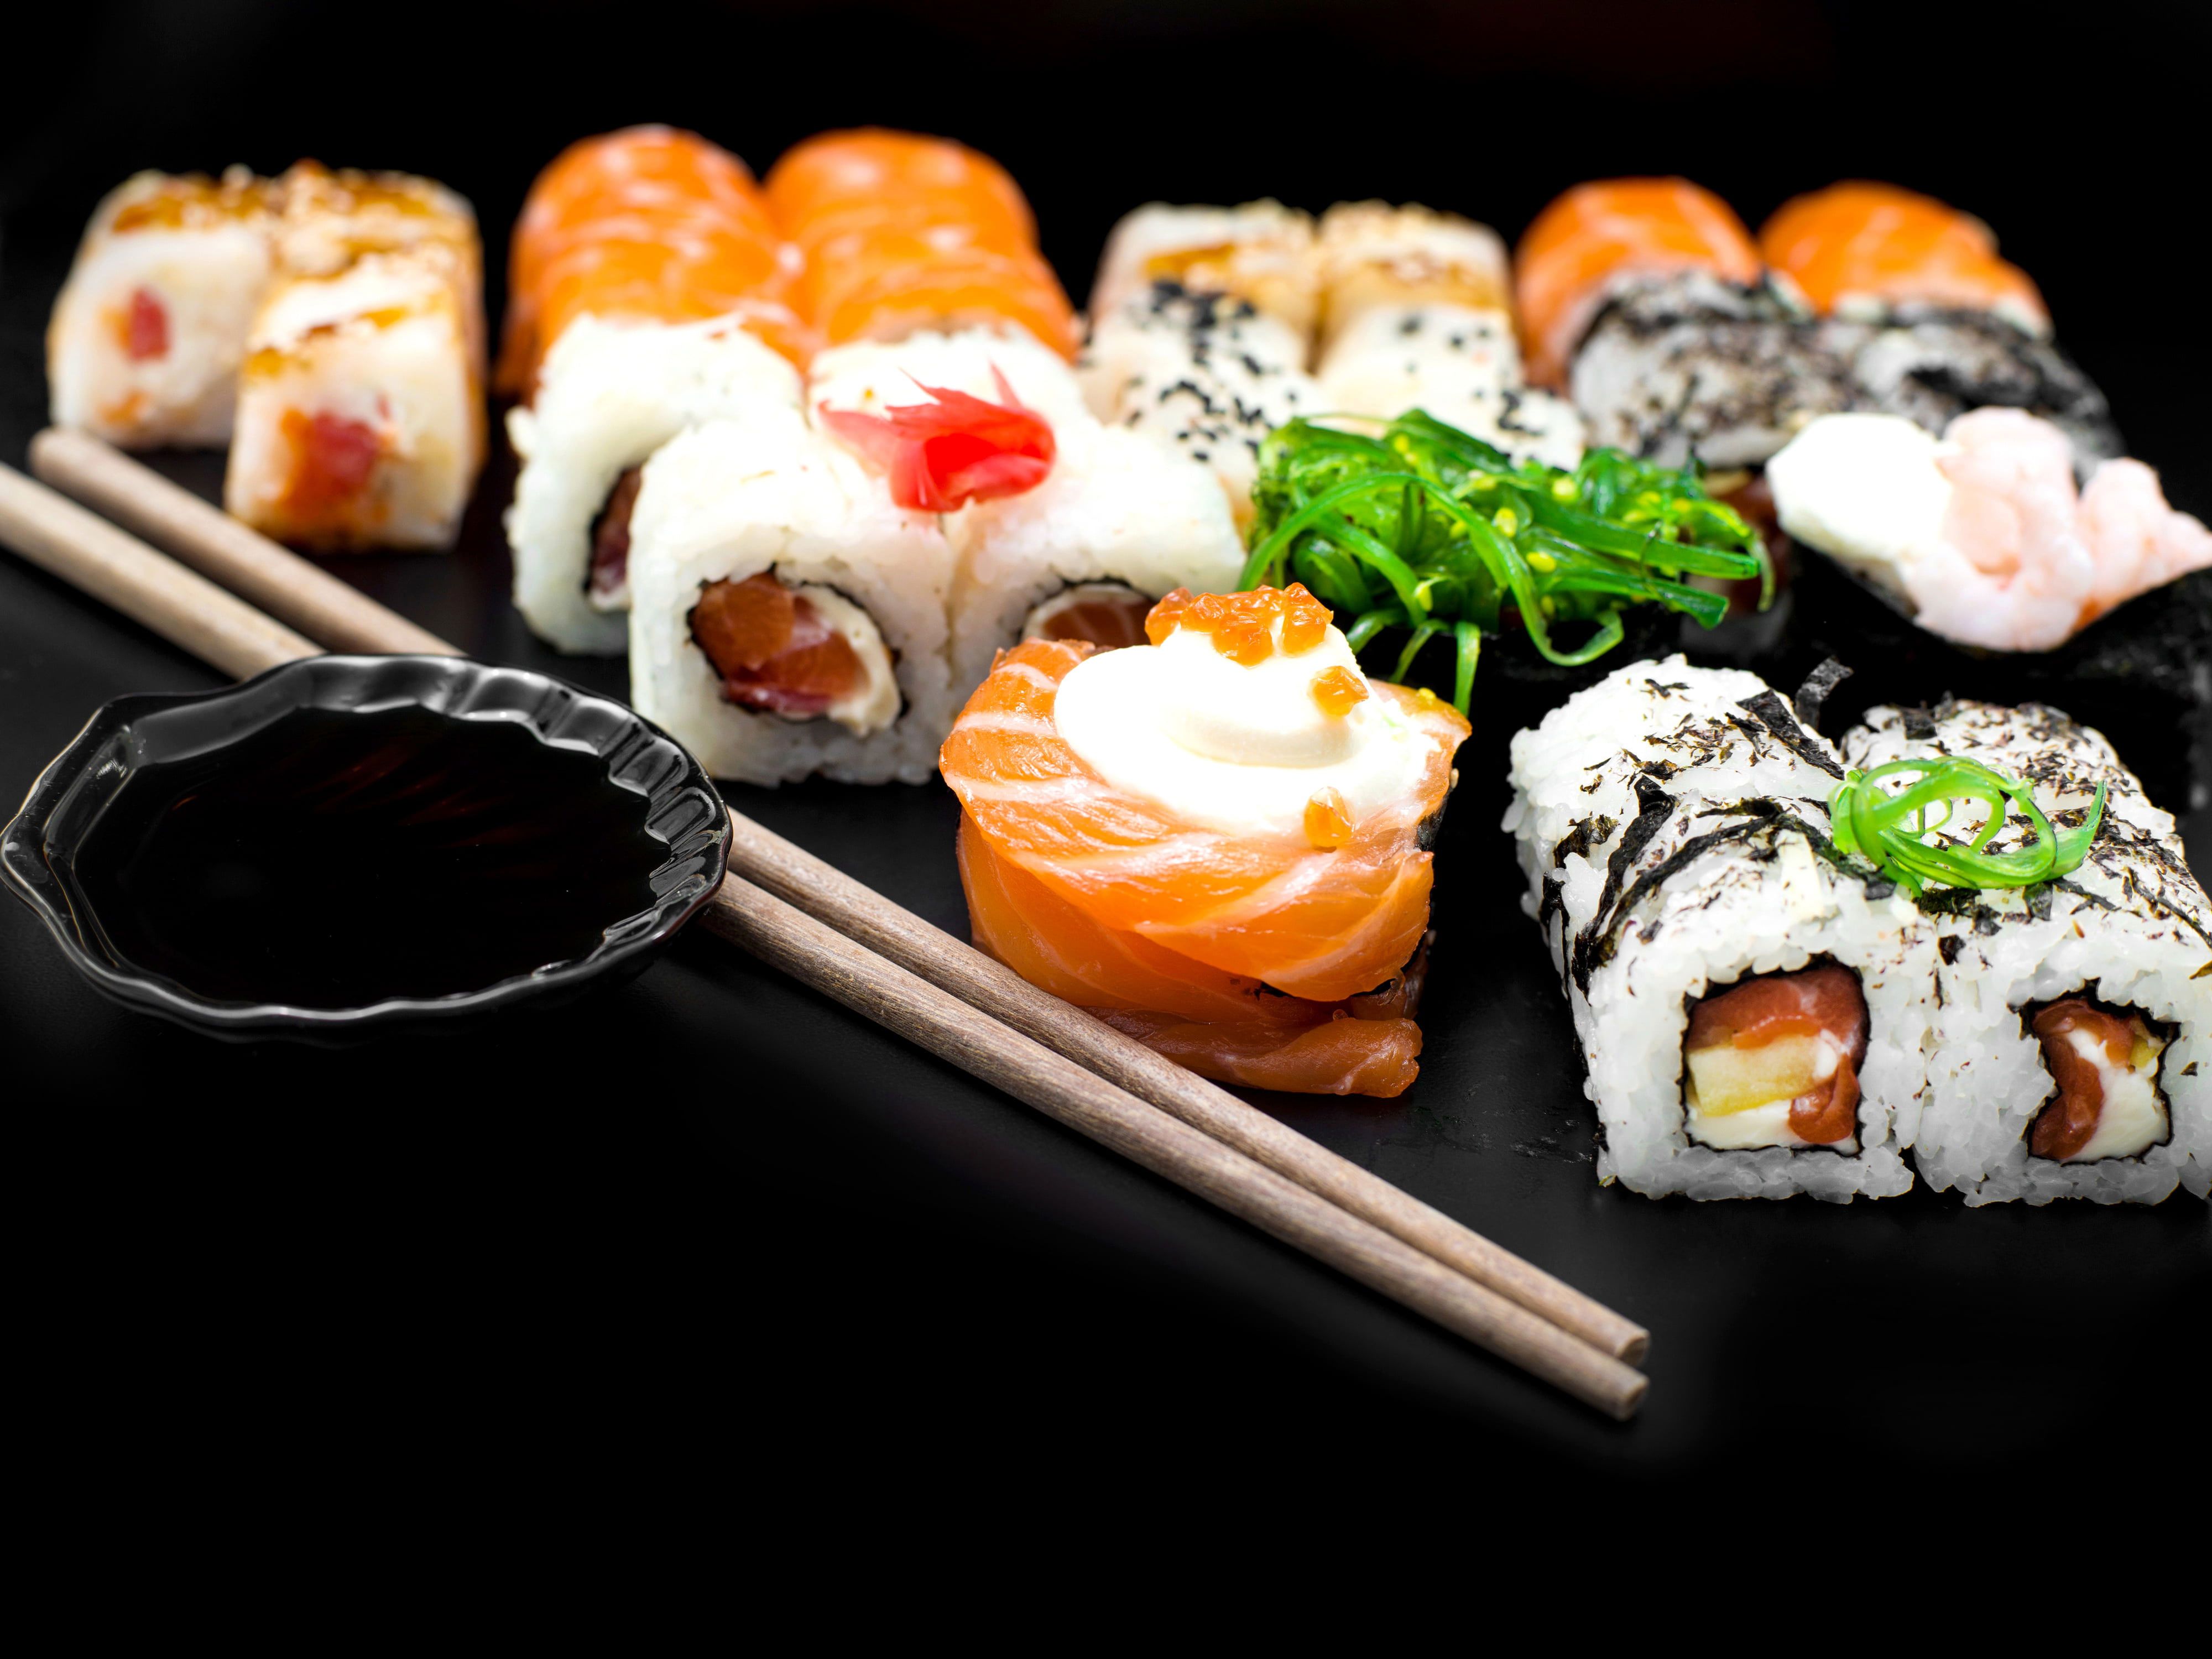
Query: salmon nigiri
x=902 y=233
x=1598 y=236
x=1217 y=839
x=1857 y=247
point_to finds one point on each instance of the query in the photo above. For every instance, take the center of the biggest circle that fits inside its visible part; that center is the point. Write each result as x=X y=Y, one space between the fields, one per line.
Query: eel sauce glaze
x=336 y=859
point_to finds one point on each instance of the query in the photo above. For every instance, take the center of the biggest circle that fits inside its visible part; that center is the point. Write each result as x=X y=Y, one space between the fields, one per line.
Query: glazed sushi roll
x=1416 y=314
x=149 y=330
x=1939 y=323
x=785 y=618
x=360 y=419
x=2073 y=1052
x=1262 y=252
x=1753 y=1009
x=1644 y=297
x=1218 y=841
x=649 y=292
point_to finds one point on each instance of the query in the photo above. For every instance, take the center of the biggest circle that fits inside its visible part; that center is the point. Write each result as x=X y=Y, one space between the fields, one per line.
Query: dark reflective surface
x=598 y=1229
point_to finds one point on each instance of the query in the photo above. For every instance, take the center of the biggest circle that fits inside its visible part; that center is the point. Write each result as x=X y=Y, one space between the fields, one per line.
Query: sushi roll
x=649 y=292
x=901 y=234
x=1110 y=525
x=1644 y=297
x=1203 y=375
x=1981 y=536
x=361 y=418
x=1416 y=315
x=1217 y=841
x=1941 y=325
x=1262 y=252
x=610 y=394
x=1753 y=1007
x=2073 y=1053
x=149 y=330
x=785 y=618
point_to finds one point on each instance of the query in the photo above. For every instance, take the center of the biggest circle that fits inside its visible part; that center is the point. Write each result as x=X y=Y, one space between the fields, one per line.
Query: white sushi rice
x=1460 y=364
x=610 y=394
x=763 y=491
x=1261 y=250
x=2128 y=928
x=1619 y=782
x=207 y=275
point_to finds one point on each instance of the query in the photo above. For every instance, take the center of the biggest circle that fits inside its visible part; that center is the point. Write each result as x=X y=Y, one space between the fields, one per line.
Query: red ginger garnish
x=941 y=456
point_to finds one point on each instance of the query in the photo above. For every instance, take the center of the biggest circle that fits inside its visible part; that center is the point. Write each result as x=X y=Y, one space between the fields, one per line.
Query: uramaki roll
x=1218 y=841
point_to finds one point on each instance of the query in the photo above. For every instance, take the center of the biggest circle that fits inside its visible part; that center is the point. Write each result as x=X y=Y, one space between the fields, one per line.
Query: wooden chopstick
x=120 y=570
x=336 y=613
x=761 y=857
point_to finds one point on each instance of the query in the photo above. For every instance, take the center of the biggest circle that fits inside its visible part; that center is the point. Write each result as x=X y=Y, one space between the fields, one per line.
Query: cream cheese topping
x=1236 y=747
x=1865 y=489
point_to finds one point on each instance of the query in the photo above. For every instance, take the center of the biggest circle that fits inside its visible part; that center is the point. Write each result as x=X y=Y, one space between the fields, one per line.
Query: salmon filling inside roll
x=804 y=653
x=606 y=578
x=2104 y=1063
x=1773 y=1061
x=1108 y=615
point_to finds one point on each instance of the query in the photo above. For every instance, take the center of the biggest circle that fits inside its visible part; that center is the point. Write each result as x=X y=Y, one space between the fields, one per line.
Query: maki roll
x=150 y=328
x=787 y=618
x=1936 y=324
x=1202 y=321
x=360 y=415
x=648 y=292
x=1417 y=315
x=1752 y=1005
x=1217 y=841
x=2072 y=1053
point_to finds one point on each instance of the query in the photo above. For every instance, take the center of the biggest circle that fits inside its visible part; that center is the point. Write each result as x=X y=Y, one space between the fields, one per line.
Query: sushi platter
x=1670 y=747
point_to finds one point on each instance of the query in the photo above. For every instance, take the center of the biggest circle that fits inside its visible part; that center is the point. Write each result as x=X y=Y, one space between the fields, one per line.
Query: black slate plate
x=598 y=1229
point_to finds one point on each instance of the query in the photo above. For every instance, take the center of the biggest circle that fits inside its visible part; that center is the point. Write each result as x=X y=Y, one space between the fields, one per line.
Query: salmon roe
x=1338 y=691
x=1329 y=821
x=1244 y=625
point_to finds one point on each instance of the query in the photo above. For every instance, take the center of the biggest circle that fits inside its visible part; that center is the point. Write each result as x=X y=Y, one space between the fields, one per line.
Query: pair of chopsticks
x=817 y=924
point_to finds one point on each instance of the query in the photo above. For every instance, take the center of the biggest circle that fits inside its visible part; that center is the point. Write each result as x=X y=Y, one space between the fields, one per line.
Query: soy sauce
x=335 y=859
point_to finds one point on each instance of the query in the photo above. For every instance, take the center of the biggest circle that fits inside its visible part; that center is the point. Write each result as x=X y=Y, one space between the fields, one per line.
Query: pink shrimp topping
x=2036 y=563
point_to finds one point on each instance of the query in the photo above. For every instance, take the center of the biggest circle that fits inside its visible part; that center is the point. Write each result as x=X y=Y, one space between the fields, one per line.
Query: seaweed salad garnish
x=1888 y=826
x=1424 y=527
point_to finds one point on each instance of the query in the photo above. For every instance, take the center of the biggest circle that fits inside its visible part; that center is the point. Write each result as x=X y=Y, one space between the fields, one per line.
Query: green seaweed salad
x=1421 y=526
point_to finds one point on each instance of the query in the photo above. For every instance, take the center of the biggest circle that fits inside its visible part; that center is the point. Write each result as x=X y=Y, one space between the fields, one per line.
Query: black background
x=707 y=1237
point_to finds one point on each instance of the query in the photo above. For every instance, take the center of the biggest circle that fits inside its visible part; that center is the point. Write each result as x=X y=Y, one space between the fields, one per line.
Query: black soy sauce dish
x=347 y=844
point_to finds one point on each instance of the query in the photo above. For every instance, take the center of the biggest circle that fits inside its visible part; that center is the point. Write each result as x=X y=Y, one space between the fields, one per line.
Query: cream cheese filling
x=874 y=703
x=2133 y=1119
x=1738 y=1099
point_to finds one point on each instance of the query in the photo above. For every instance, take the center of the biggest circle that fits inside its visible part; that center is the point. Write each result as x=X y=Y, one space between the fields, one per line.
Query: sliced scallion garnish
x=1890 y=826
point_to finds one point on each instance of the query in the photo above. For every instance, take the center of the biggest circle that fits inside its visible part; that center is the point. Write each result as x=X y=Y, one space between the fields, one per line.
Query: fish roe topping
x=1247 y=627
x=1329 y=821
x=1338 y=691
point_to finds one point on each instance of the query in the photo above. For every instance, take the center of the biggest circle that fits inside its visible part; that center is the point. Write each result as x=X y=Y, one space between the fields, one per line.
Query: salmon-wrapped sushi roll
x=1857 y=249
x=1938 y=324
x=1417 y=314
x=1216 y=840
x=901 y=233
x=361 y=414
x=150 y=327
x=1644 y=297
x=648 y=292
